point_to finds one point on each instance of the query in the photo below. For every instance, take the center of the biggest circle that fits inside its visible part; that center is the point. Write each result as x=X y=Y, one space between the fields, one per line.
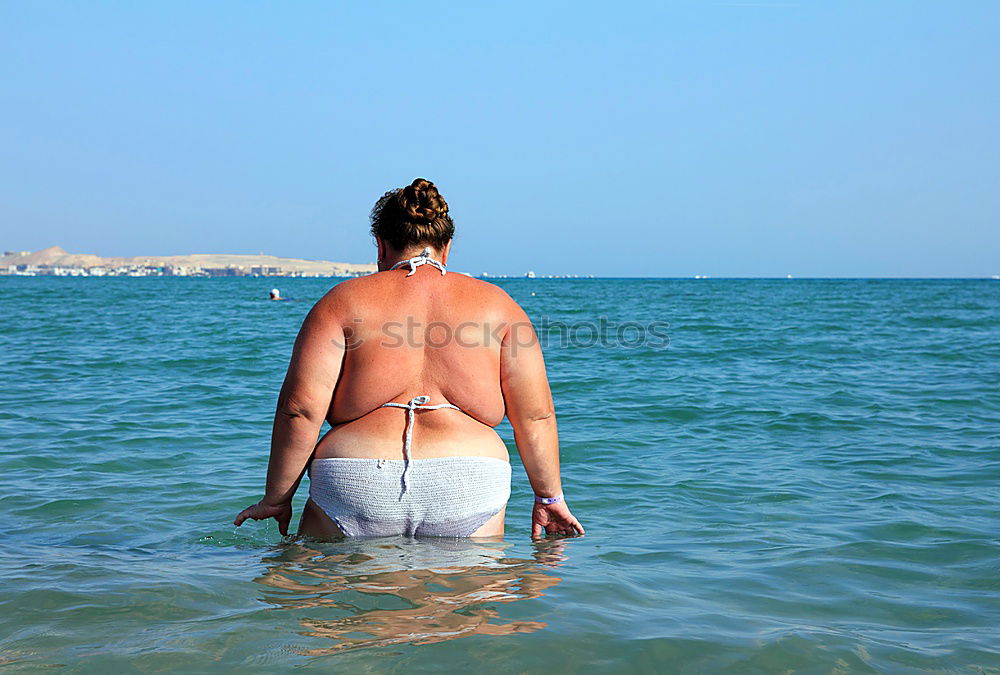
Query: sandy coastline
x=220 y=264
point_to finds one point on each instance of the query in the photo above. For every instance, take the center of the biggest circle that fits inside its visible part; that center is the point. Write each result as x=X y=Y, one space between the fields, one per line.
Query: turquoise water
x=807 y=478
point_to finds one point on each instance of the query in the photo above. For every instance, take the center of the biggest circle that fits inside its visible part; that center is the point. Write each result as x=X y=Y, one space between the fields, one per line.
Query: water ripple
x=806 y=478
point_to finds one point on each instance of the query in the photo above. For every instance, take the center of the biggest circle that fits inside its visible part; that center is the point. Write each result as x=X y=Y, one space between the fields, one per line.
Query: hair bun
x=414 y=215
x=420 y=200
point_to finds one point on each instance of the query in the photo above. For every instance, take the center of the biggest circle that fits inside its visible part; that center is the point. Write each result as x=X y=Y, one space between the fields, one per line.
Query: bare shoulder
x=491 y=295
x=478 y=285
x=353 y=296
x=339 y=300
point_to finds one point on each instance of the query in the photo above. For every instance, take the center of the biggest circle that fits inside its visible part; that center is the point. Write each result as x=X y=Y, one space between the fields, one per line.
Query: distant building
x=223 y=271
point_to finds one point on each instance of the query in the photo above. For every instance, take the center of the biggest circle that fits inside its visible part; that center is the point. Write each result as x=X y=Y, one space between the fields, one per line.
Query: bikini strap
x=424 y=258
x=416 y=403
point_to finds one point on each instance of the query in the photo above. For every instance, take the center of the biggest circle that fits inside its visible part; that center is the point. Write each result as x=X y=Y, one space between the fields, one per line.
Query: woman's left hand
x=263 y=510
x=553 y=519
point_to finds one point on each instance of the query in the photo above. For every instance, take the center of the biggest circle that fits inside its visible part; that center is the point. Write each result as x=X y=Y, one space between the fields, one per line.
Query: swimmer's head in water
x=275 y=294
x=416 y=215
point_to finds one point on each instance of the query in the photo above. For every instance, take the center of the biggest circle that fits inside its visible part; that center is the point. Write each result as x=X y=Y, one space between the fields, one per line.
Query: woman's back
x=424 y=334
x=421 y=334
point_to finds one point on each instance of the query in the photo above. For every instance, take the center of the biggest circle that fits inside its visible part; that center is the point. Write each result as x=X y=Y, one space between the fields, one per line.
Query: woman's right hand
x=263 y=510
x=553 y=519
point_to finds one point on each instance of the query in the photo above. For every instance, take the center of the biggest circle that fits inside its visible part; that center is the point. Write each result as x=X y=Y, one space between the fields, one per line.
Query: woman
x=413 y=368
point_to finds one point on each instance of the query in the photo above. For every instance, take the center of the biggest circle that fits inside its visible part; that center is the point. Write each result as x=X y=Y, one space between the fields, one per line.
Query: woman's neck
x=395 y=257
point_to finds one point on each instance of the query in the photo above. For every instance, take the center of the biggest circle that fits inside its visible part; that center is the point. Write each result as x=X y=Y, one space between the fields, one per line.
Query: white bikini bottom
x=433 y=497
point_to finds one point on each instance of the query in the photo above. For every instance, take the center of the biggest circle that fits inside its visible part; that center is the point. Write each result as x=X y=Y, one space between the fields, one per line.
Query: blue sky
x=642 y=139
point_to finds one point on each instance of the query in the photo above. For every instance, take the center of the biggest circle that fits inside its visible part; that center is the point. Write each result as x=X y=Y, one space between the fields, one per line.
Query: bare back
x=406 y=336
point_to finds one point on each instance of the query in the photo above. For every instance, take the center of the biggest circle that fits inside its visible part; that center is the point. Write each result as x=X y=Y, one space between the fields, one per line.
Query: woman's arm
x=303 y=404
x=530 y=410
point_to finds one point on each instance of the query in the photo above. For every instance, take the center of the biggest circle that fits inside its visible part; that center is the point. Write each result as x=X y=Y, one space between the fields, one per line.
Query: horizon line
x=521 y=277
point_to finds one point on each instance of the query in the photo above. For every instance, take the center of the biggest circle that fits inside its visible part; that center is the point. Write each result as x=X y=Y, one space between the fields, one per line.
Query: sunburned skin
x=393 y=336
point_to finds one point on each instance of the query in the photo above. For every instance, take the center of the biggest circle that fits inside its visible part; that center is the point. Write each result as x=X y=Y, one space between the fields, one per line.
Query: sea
x=775 y=476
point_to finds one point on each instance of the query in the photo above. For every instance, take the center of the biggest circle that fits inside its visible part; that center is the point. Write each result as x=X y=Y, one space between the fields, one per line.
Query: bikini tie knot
x=416 y=403
x=423 y=258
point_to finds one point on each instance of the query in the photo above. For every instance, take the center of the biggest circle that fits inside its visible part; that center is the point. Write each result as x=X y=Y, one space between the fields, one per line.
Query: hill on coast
x=56 y=256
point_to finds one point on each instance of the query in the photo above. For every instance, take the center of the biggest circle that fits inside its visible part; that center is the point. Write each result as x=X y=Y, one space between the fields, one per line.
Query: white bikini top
x=424 y=258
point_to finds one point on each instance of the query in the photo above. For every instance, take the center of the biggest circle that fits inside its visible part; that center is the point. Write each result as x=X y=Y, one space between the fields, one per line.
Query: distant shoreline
x=56 y=261
x=501 y=277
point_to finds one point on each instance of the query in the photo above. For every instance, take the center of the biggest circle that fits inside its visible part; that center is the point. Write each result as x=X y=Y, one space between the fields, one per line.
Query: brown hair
x=413 y=215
